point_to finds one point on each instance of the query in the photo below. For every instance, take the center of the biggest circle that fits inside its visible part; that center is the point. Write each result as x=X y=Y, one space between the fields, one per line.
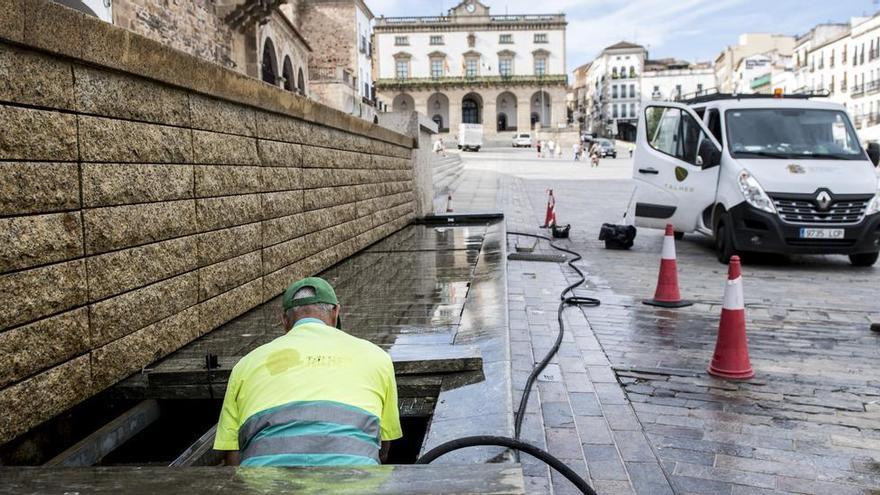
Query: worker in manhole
x=316 y=396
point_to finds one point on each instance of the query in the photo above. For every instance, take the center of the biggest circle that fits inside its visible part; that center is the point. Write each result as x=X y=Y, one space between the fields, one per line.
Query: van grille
x=841 y=211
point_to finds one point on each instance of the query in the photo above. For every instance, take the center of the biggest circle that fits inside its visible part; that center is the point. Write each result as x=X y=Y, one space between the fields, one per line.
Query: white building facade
x=677 y=81
x=505 y=72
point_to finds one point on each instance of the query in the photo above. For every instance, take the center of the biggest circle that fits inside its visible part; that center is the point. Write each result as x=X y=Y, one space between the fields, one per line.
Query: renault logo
x=823 y=199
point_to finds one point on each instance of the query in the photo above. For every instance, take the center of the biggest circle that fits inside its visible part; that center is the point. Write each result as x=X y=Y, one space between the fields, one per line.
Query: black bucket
x=617 y=236
x=561 y=231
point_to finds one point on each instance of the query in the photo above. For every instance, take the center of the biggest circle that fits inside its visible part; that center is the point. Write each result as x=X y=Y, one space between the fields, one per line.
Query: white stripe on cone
x=668 y=248
x=733 y=295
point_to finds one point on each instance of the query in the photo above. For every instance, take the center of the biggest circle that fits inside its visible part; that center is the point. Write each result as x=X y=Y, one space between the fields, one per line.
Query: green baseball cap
x=324 y=293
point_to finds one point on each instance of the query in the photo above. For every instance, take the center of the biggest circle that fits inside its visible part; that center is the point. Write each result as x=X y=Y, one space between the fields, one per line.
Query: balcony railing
x=549 y=80
x=872 y=87
x=857 y=90
x=445 y=19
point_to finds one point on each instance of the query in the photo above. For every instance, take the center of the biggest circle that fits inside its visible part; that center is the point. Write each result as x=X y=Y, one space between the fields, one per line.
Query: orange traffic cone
x=449 y=203
x=731 y=358
x=667 y=294
x=550 y=217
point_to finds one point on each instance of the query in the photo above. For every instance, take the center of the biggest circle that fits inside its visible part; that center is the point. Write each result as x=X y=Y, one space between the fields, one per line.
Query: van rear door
x=675 y=166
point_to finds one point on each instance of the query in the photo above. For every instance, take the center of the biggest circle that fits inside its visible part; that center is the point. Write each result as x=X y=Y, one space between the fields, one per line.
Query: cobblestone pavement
x=627 y=401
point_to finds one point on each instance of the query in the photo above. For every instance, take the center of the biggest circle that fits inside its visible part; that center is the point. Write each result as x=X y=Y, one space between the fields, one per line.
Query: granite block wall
x=138 y=213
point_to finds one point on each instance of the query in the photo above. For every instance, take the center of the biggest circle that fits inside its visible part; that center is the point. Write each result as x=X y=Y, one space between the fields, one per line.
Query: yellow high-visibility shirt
x=314 y=379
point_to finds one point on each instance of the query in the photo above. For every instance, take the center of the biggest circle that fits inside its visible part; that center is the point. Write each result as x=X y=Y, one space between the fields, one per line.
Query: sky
x=693 y=30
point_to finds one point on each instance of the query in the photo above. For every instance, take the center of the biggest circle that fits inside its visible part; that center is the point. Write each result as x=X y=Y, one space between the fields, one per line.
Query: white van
x=470 y=137
x=759 y=174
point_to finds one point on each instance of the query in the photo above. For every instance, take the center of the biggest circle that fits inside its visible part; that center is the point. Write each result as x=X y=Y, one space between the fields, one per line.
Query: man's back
x=315 y=396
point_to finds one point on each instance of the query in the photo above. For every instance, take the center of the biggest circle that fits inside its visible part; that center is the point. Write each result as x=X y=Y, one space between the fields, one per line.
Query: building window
x=632 y=90
x=402 y=69
x=540 y=37
x=436 y=40
x=678 y=91
x=471 y=67
x=436 y=68
x=699 y=88
x=505 y=66
x=614 y=91
x=505 y=39
x=632 y=110
x=614 y=73
x=614 y=110
x=540 y=66
x=401 y=41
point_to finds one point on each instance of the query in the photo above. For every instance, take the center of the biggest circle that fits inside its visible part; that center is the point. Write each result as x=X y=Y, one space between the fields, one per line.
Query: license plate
x=822 y=233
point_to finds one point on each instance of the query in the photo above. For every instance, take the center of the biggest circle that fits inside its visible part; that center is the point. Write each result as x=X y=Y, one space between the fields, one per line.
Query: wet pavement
x=628 y=403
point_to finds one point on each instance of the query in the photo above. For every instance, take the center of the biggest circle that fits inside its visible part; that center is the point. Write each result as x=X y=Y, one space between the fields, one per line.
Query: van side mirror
x=874 y=152
x=708 y=155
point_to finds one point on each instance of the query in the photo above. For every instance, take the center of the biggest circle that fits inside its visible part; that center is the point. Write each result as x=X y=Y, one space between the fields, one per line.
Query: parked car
x=523 y=140
x=606 y=148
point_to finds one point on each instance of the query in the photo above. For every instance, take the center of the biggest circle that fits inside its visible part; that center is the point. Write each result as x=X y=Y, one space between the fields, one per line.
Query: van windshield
x=791 y=133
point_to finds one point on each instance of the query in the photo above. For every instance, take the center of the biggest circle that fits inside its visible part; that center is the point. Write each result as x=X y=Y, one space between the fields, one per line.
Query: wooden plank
x=407 y=359
x=491 y=479
x=201 y=452
x=90 y=450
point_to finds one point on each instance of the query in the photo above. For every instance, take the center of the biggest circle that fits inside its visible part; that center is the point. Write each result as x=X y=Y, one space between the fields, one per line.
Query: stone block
x=112 y=140
x=53 y=28
x=109 y=184
x=219 y=245
x=281 y=229
x=28 y=349
x=120 y=358
x=12 y=16
x=221 y=277
x=275 y=283
x=219 y=310
x=321 y=177
x=42 y=291
x=279 y=204
x=121 y=271
x=321 y=219
x=285 y=253
x=112 y=94
x=314 y=157
x=118 y=316
x=31 y=78
x=228 y=211
x=118 y=227
x=281 y=178
x=27 y=187
x=279 y=154
x=226 y=180
x=30 y=134
x=224 y=149
x=217 y=115
x=396 y=187
x=32 y=401
x=39 y=239
x=279 y=127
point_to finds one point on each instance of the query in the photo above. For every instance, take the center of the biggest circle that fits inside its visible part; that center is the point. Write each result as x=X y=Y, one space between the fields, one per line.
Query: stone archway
x=403 y=103
x=301 y=82
x=269 y=66
x=542 y=106
x=505 y=108
x=438 y=109
x=472 y=109
x=287 y=74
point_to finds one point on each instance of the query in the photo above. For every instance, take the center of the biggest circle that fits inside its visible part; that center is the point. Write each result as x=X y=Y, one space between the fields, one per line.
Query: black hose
x=515 y=443
x=511 y=443
x=564 y=301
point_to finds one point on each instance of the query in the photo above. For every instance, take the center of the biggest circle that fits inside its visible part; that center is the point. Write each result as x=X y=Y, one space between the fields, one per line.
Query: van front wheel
x=863 y=259
x=724 y=240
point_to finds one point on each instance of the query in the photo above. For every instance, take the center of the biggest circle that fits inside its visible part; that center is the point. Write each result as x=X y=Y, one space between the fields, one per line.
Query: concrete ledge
x=53 y=28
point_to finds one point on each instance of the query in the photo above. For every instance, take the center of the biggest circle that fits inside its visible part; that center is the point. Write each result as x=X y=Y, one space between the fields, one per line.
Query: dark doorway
x=438 y=119
x=535 y=118
x=502 y=122
x=269 y=70
x=470 y=111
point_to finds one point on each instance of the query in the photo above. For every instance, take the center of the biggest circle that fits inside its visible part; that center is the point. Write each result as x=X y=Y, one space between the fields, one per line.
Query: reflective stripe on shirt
x=325 y=430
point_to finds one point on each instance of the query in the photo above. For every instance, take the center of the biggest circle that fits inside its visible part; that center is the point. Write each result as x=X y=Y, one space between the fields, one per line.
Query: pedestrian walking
x=550 y=147
x=558 y=151
x=538 y=144
x=594 y=155
x=576 y=151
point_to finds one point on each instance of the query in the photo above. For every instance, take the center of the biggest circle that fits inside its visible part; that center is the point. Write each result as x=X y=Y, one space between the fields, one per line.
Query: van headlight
x=754 y=193
x=874 y=205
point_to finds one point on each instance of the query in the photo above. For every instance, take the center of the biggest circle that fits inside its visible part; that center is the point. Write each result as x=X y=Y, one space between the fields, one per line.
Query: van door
x=675 y=166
